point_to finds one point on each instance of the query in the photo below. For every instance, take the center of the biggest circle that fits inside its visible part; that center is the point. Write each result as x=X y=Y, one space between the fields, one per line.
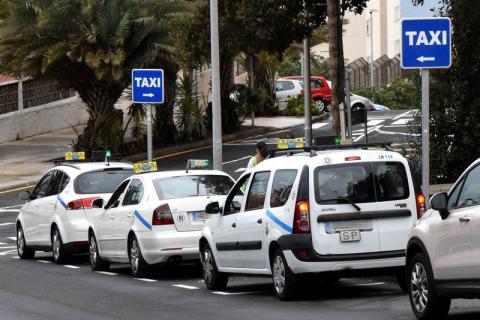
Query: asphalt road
x=39 y=289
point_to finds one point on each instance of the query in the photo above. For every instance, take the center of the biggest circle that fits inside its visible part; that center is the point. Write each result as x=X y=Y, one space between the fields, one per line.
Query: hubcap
x=134 y=256
x=279 y=274
x=56 y=245
x=93 y=251
x=419 y=287
x=320 y=105
x=20 y=241
x=207 y=266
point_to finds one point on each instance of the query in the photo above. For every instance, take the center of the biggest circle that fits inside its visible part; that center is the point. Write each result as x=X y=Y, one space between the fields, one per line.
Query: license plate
x=199 y=216
x=349 y=235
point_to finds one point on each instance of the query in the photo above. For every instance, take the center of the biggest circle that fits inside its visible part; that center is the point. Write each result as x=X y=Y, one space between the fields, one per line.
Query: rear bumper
x=169 y=246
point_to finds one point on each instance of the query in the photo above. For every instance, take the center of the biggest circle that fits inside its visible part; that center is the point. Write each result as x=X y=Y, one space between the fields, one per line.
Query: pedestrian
x=260 y=155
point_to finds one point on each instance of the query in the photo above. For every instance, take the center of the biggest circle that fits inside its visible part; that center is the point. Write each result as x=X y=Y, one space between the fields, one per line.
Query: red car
x=320 y=90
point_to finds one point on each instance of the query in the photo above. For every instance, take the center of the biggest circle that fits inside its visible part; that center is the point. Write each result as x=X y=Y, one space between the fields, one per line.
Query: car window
x=102 y=181
x=42 y=188
x=282 y=187
x=391 y=181
x=234 y=199
x=112 y=202
x=352 y=181
x=284 y=85
x=64 y=183
x=59 y=183
x=470 y=193
x=453 y=197
x=258 y=191
x=192 y=186
x=134 y=193
x=316 y=84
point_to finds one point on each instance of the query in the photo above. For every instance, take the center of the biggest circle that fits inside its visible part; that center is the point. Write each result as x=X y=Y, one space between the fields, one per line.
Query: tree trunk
x=336 y=60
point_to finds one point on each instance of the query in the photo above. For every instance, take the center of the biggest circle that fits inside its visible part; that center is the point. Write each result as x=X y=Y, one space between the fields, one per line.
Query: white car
x=442 y=253
x=339 y=212
x=153 y=218
x=54 y=218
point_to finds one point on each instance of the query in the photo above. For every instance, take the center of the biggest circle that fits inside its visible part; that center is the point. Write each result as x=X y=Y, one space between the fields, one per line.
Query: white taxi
x=155 y=217
x=54 y=218
x=337 y=211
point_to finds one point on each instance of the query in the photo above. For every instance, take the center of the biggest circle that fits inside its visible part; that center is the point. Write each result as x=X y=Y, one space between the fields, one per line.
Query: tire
x=96 y=262
x=358 y=106
x=138 y=266
x=214 y=280
x=402 y=280
x=284 y=282
x=320 y=104
x=60 y=254
x=424 y=300
x=24 y=252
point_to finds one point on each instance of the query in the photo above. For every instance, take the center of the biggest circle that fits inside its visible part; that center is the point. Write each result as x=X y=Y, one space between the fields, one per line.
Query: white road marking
x=8 y=252
x=402 y=115
x=201 y=281
x=240 y=159
x=44 y=261
x=9 y=210
x=15 y=257
x=9 y=247
x=398 y=133
x=372 y=123
x=403 y=121
x=12 y=238
x=145 y=279
x=319 y=125
x=11 y=207
x=369 y=131
x=107 y=273
x=183 y=286
x=2 y=243
x=6 y=224
x=71 y=267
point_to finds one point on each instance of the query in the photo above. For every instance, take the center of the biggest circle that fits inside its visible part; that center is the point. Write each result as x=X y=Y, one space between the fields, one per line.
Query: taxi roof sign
x=197 y=164
x=297 y=143
x=74 y=156
x=142 y=167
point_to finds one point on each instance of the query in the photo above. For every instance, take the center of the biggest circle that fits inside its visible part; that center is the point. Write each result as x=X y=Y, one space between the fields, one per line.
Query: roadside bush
x=295 y=107
x=400 y=94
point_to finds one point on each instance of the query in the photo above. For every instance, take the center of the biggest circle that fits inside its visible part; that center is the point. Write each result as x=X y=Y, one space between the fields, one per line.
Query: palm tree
x=90 y=46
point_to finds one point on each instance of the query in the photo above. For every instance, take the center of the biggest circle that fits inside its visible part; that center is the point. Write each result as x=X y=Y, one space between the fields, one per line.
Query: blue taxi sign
x=148 y=86
x=297 y=143
x=142 y=167
x=74 y=156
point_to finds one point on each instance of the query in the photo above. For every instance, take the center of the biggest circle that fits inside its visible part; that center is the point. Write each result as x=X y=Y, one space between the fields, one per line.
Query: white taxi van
x=155 y=217
x=336 y=211
x=54 y=218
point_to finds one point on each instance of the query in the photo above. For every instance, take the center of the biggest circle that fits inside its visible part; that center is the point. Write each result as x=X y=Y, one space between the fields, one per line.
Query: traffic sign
x=426 y=43
x=147 y=86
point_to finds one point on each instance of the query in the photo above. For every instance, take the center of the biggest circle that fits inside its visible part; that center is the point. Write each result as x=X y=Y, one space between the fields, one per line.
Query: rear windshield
x=361 y=182
x=192 y=186
x=96 y=182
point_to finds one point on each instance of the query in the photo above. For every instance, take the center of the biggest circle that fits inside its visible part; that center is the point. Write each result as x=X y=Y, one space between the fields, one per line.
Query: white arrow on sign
x=423 y=59
x=150 y=95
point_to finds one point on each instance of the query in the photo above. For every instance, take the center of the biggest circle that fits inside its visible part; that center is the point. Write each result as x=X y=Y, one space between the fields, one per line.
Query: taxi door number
x=349 y=235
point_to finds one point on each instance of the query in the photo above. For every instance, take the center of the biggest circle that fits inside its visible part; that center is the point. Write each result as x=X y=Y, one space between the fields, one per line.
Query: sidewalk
x=280 y=122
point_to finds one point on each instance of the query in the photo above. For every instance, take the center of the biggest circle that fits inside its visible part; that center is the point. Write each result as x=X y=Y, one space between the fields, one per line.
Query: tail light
x=85 y=203
x=420 y=198
x=162 y=216
x=301 y=220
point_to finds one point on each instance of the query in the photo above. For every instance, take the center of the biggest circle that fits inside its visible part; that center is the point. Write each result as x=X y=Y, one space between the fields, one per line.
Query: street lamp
x=371 y=45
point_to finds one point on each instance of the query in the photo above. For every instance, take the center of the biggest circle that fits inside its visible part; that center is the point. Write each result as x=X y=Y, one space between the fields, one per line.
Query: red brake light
x=420 y=198
x=301 y=220
x=85 y=203
x=353 y=158
x=162 y=215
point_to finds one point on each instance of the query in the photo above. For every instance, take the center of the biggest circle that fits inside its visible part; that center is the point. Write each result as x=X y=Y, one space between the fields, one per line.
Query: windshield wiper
x=343 y=199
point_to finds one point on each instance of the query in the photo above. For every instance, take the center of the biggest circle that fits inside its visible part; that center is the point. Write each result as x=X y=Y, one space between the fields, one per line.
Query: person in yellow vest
x=260 y=155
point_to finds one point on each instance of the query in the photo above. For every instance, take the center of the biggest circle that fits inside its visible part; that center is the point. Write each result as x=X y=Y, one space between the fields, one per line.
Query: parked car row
x=326 y=212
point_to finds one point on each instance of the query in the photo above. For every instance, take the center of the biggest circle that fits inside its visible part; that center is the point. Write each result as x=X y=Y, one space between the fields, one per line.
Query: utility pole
x=371 y=46
x=216 y=107
x=306 y=86
x=425 y=132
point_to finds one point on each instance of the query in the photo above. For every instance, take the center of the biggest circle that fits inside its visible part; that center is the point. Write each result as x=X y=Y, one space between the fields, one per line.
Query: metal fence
x=385 y=70
x=36 y=92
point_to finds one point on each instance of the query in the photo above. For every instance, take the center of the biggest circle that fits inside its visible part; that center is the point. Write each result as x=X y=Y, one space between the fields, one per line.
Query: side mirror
x=439 y=202
x=97 y=203
x=25 y=195
x=212 y=208
x=236 y=205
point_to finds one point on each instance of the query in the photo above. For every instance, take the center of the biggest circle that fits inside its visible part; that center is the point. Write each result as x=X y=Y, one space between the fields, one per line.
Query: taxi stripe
x=143 y=221
x=282 y=224
x=61 y=202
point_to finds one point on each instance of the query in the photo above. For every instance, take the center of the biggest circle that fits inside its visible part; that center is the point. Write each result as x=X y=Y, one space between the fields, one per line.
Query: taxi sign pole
x=425 y=132
x=149 y=131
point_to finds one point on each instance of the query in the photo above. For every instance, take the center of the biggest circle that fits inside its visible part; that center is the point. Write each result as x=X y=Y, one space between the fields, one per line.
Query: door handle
x=234 y=225
x=464 y=219
x=259 y=221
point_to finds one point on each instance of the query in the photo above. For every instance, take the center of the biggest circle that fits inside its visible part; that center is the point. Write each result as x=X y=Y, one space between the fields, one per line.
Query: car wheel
x=138 y=266
x=60 y=255
x=214 y=280
x=424 y=300
x=24 y=252
x=283 y=278
x=320 y=104
x=96 y=262
x=358 y=106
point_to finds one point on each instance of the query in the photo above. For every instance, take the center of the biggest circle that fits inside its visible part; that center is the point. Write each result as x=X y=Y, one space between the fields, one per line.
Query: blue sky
x=408 y=10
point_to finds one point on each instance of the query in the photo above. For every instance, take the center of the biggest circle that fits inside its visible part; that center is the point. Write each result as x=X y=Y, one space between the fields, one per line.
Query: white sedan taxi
x=155 y=217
